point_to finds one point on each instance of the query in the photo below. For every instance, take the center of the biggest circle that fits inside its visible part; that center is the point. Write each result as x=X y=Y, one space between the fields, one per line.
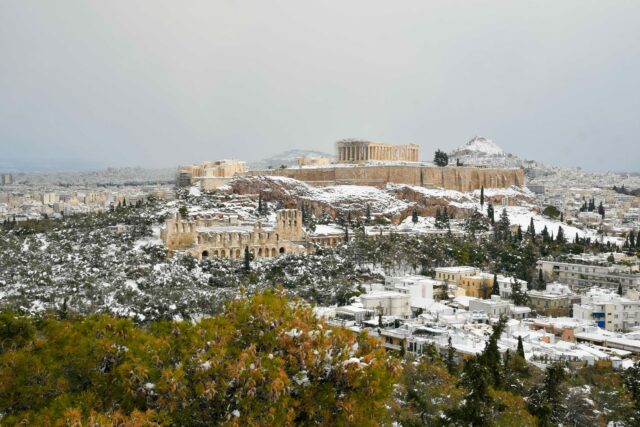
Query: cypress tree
x=247 y=259
x=414 y=216
x=481 y=197
x=545 y=234
x=519 y=233
x=368 y=213
x=620 y=292
x=531 y=231
x=560 y=236
x=520 y=350
x=495 y=290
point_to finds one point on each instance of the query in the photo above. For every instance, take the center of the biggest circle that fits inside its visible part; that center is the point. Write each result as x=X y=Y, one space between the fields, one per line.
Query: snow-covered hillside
x=480 y=151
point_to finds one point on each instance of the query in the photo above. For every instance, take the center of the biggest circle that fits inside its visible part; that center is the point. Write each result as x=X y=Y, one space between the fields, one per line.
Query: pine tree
x=414 y=216
x=477 y=407
x=490 y=356
x=490 y=213
x=519 y=233
x=518 y=295
x=481 y=197
x=631 y=379
x=450 y=361
x=544 y=401
x=503 y=228
x=441 y=158
x=520 y=350
x=560 y=237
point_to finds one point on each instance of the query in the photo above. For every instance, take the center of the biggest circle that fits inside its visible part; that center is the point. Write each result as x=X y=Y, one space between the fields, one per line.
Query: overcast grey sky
x=158 y=83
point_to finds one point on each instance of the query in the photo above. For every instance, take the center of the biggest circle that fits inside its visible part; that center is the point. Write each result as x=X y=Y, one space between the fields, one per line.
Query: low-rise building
x=478 y=285
x=493 y=307
x=609 y=310
x=589 y=274
x=419 y=289
x=387 y=303
x=454 y=274
x=557 y=299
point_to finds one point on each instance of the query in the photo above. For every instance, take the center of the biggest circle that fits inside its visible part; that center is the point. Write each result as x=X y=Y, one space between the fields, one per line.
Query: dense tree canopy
x=265 y=361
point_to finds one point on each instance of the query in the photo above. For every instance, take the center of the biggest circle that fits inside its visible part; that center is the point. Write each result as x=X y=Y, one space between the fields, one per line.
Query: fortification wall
x=452 y=178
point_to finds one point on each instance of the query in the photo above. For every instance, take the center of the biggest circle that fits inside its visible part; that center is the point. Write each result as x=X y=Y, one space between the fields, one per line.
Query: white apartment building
x=387 y=303
x=506 y=285
x=586 y=275
x=419 y=289
x=609 y=310
x=494 y=307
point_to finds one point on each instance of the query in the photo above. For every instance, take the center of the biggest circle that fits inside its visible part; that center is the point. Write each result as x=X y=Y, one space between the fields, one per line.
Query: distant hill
x=109 y=176
x=287 y=158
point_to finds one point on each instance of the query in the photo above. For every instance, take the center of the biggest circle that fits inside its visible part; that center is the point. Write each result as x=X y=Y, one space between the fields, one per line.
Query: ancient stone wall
x=451 y=178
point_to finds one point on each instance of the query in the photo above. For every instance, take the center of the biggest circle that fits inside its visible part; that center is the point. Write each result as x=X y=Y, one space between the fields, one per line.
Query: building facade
x=359 y=151
x=226 y=237
x=609 y=310
x=209 y=175
x=586 y=275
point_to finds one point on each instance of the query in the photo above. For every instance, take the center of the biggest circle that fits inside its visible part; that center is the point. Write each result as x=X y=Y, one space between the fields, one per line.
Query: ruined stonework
x=226 y=237
x=451 y=178
x=359 y=151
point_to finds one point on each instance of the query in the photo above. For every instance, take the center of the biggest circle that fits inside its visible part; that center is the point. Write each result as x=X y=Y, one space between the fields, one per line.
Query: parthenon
x=358 y=151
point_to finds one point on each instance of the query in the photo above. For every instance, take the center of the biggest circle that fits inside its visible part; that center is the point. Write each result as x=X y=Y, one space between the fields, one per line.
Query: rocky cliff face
x=394 y=201
x=451 y=178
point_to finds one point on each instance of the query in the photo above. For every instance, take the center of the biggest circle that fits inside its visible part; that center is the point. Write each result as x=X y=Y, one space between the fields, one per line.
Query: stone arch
x=237 y=253
x=260 y=252
x=223 y=253
x=273 y=251
x=205 y=254
x=215 y=253
x=282 y=250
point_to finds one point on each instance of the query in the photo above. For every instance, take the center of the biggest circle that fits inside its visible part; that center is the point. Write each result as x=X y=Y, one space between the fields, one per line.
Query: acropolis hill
x=376 y=164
